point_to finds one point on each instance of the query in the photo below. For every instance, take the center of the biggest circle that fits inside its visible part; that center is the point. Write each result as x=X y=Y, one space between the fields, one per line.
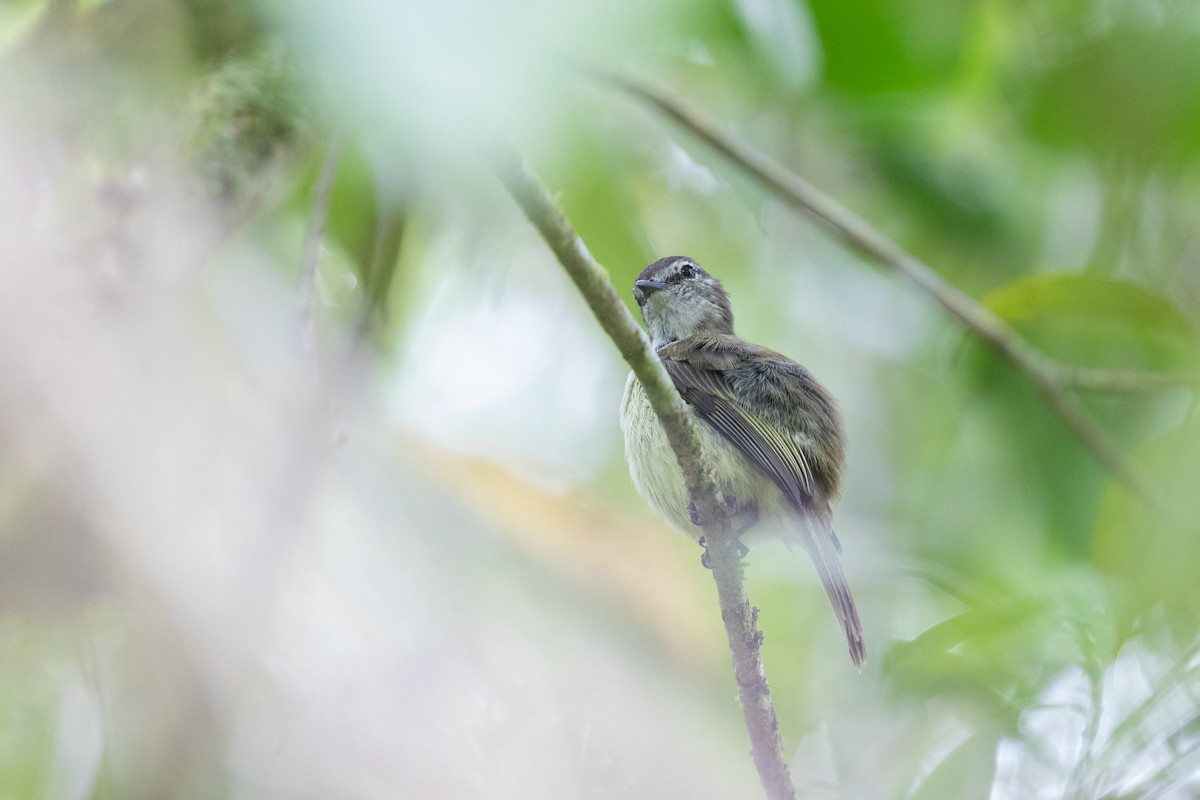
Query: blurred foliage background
x=383 y=543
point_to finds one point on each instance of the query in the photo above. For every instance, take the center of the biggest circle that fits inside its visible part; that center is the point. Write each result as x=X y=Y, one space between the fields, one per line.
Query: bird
x=773 y=434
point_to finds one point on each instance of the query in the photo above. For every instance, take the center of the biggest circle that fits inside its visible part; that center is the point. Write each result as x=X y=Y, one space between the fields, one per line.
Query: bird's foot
x=706 y=559
x=731 y=503
x=745 y=516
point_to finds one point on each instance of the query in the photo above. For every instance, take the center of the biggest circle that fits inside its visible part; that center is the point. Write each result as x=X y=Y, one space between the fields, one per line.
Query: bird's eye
x=688 y=271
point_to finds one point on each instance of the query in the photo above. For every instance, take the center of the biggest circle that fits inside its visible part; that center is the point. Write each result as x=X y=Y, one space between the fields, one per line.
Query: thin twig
x=1118 y=381
x=745 y=641
x=864 y=239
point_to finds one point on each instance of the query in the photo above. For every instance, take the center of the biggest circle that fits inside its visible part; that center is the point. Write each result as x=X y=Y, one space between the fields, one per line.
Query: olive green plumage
x=772 y=432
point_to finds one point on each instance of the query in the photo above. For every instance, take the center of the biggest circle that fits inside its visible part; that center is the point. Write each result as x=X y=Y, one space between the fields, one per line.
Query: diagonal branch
x=861 y=237
x=745 y=641
x=1089 y=379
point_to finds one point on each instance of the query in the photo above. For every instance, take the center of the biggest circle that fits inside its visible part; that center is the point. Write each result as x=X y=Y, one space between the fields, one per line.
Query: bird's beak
x=643 y=289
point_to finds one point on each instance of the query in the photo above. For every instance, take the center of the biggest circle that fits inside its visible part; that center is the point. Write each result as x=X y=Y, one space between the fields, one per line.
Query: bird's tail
x=822 y=546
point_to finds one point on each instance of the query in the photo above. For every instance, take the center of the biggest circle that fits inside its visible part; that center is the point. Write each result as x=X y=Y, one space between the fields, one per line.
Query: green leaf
x=877 y=46
x=1152 y=555
x=982 y=653
x=1098 y=322
x=1130 y=91
x=965 y=772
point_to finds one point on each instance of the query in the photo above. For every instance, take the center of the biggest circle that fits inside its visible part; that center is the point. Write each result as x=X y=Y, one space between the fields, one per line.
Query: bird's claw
x=749 y=518
x=706 y=559
x=731 y=504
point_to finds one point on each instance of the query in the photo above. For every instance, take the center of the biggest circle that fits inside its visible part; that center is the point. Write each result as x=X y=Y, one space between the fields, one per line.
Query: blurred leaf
x=1018 y=631
x=1086 y=321
x=984 y=653
x=783 y=39
x=1130 y=92
x=367 y=221
x=27 y=689
x=1154 y=555
x=874 y=46
x=353 y=204
x=595 y=192
x=1096 y=322
x=221 y=27
x=1010 y=439
x=942 y=181
x=391 y=224
x=965 y=772
x=245 y=114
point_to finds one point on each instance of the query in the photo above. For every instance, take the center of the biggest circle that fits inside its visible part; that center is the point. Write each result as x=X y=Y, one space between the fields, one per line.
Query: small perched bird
x=772 y=433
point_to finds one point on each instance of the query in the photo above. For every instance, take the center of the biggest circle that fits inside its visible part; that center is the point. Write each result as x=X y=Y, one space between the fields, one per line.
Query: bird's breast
x=656 y=474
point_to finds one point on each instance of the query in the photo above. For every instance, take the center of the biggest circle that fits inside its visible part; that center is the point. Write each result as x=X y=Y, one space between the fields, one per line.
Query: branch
x=745 y=641
x=861 y=237
x=1088 y=379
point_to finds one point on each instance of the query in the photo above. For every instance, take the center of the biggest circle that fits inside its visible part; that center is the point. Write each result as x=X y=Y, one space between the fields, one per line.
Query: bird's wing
x=701 y=374
x=700 y=377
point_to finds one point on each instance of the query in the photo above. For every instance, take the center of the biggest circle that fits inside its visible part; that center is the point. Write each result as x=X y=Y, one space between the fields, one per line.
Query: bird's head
x=678 y=299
